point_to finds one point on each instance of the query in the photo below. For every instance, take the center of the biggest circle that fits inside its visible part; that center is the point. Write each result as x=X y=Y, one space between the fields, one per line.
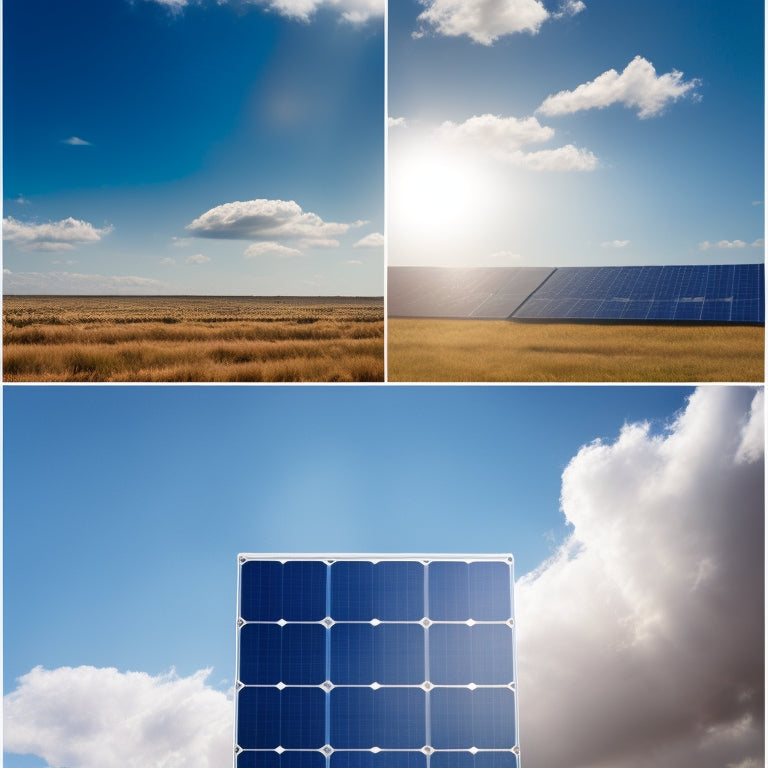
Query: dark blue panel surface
x=304 y=590
x=448 y=591
x=468 y=760
x=352 y=591
x=388 y=718
x=461 y=719
x=261 y=654
x=480 y=654
x=258 y=718
x=302 y=714
x=261 y=590
x=378 y=760
x=294 y=591
x=293 y=654
x=460 y=591
x=284 y=760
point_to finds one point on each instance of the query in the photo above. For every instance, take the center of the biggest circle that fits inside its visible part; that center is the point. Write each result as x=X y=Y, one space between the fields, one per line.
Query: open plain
x=192 y=338
x=494 y=351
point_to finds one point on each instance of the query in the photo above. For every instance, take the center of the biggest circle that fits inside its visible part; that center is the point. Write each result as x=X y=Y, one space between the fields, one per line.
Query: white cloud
x=262 y=249
x=396 y=122
x=61 y=235
x=353 y=11
x=641 y=640
x=731 y=244
x=638 y=86
x=374 y=240
x=67 y=283
x=75 y=141
x=85 y=717
x=484 y=21
x=269 y=220
x=503 y=137
x=570 y=8
x=198 y=258
x=615 y=243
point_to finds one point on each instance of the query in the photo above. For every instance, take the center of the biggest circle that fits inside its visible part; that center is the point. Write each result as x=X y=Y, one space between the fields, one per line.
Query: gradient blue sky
x=684 y=185
x=125 y=508
x=136 y=117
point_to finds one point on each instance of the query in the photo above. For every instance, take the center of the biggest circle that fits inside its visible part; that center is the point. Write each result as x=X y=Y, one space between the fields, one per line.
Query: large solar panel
x=376 y=661
x=714 y=293
x=717 y=293
x=456 y=292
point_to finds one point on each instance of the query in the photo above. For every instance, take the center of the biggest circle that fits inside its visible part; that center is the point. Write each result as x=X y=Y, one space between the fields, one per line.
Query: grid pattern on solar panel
x=713 y=293
x=376 y=663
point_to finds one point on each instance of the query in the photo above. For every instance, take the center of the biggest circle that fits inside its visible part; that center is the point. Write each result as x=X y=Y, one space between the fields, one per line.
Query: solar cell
x=376 y=662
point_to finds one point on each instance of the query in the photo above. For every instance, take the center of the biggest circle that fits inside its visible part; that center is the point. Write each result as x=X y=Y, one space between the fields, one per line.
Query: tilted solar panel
x=376 y=661
x=706 y=293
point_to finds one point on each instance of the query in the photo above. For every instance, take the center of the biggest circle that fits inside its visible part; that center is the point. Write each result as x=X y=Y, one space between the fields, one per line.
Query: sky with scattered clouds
x=156 y=146
x=544 y=130
x=635 y=515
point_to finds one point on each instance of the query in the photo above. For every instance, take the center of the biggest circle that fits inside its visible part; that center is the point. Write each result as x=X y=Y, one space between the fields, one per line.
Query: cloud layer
x=485 y=21
x=373 y=240
x=354 y=11
x=731 y=244
x=638 y=86
x=641 y=641
x=61 y=235
x=76 y=283
x=268 y=220
x=84 y=717
x=504 y=137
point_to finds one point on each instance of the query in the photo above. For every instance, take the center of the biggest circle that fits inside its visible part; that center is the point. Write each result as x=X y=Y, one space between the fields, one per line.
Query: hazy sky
x=193 y=146
x=639 y=601
x=579 y=132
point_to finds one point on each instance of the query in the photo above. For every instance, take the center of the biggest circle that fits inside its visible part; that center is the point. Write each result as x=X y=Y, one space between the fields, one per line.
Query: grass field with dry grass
x=469 y=350
x=192 y=338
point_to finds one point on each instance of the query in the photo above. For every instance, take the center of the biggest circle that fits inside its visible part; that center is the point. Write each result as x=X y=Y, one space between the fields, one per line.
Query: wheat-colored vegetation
x=192 y=338
x=467 y=350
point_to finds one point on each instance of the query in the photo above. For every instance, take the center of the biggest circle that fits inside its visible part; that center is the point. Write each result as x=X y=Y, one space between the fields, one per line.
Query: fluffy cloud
x=85 y=717
x=66 y=283
x=641 y=640
x=638 y=86
x=198 y=258
x=374 y=240
x=503 y=137
x=353 y=11
x=484 y=21
x=730 y=244
x=61 y=235
x=615 y=243
x=570 y=8
x=262 y=249
x=270 y=220
x=396 y=122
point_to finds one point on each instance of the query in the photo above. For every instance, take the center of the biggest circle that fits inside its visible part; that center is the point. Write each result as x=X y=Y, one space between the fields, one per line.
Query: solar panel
x=376 y=661
x=709 y=293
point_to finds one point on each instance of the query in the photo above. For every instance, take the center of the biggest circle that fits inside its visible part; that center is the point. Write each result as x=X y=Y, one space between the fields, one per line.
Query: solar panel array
x=708 y=293
x=377 y=661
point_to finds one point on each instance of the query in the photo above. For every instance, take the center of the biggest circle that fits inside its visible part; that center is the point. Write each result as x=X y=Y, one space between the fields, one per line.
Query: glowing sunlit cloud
x=483 y=21
x=258 y=250
x=638 y=86
x=374 y=240
x=61 y=235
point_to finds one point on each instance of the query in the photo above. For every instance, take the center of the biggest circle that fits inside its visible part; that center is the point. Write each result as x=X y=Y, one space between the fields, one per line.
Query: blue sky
x=127 y=121
x=125 y=508
x=659 y=162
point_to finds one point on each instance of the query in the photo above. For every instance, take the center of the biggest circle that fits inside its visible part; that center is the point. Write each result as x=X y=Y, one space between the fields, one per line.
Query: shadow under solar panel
x=376 y=661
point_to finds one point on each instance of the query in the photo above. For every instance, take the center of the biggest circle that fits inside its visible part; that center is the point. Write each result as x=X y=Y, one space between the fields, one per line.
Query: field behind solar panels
x=192 y=338
x=493 y=351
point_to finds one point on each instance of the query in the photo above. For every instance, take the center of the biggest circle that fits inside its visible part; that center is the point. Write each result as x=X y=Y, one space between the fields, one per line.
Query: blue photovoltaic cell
x=693 y=293
x=411 y=657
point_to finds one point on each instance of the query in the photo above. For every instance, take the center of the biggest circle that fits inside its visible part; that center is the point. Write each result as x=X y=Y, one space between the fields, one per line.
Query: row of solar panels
x=722 y=293
x=382 y=759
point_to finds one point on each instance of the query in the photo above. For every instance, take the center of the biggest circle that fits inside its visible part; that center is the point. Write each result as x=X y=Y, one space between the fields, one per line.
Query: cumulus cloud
x=503 y=137
x=615 y=243
x=66 y=283
x=570 y=8
x=374 y=240
x=483 y=21
x=61 y=235
x=396 y=122
x=641 y=641
x=75 y=141
x=262 y=249
x=197 y=258
x=268 y=220
x=638 y=86
x=85 y=717
x=730 y=244
x=353 y=11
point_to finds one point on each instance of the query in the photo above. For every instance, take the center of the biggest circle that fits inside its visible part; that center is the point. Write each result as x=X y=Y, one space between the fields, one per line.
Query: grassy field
x=468 y=350
x=192 y=338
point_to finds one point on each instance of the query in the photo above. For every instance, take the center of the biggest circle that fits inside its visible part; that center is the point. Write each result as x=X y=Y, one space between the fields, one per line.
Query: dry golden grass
x=192 y=338
x=467 y=350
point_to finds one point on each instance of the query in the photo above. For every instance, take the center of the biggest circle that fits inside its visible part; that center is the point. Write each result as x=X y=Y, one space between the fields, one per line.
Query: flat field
x=192 y=338
x=487 y=350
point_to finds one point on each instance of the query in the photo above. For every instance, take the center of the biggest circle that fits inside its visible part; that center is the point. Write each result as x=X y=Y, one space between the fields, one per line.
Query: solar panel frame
x=387 y=722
